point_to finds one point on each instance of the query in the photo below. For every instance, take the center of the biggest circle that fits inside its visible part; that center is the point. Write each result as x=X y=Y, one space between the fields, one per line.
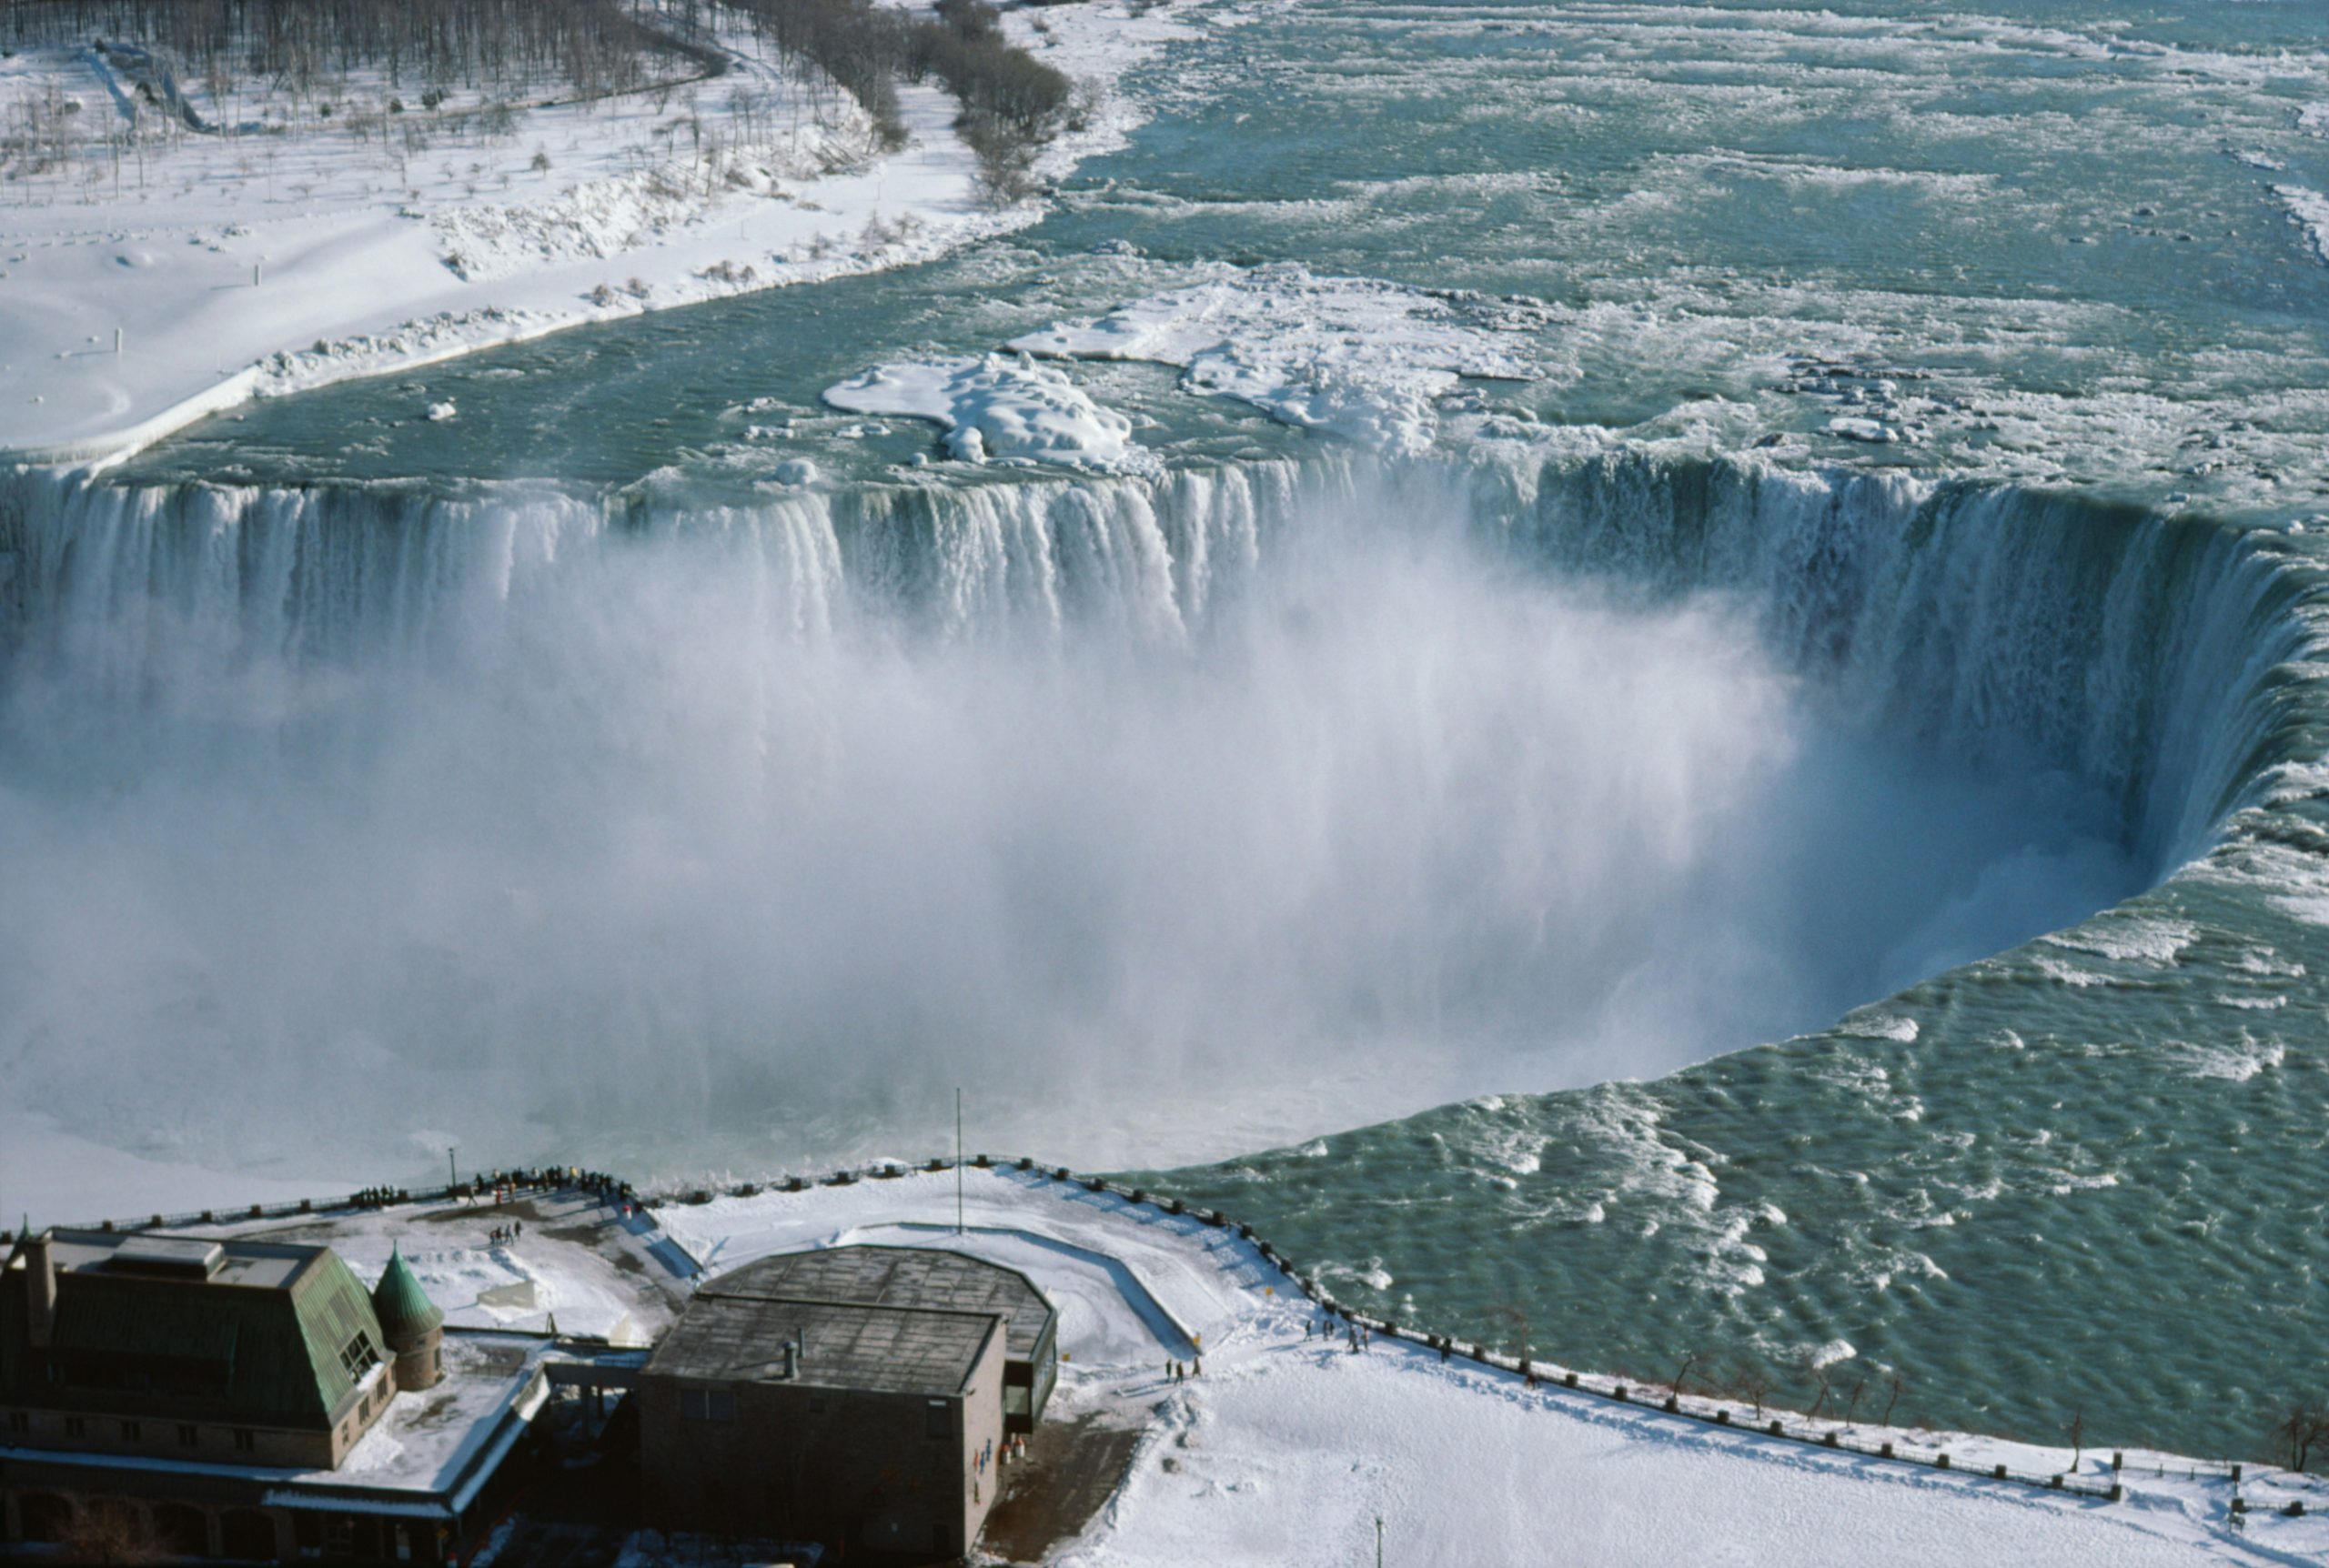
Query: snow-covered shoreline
x=1290 y=1442
x=222 y=288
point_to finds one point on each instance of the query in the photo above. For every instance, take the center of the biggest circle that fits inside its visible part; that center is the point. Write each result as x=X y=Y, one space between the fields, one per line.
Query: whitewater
x=1657 y=663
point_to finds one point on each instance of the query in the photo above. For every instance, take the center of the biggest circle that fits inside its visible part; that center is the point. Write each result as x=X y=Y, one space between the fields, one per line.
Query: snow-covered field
x=1287 y=1448
x=269 y=260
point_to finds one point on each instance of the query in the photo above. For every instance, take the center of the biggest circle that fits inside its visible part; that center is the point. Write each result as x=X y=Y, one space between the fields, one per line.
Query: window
x=188 y=1437
x=75 y=1427
x=707 y=1404
x=131 y=1432
x=19 y=1421
x=244 y=1440
x=357 y=1356
x=938 y=1419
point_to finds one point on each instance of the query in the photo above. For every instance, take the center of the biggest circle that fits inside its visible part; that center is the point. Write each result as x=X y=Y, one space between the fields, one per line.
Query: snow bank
x=1367 y=360
x=241 y=266
x=998 y=410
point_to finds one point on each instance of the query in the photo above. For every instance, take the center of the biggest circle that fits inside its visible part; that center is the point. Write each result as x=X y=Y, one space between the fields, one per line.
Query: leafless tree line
x=1756 y=1385
x=1011 y=103
x=1011 y=100
x=304 y=46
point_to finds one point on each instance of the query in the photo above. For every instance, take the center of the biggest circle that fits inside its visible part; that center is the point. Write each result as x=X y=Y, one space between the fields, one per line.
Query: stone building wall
x=798 y=1462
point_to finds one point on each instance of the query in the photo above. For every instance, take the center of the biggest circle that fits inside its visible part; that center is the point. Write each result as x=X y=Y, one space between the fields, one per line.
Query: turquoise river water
x=1792 y=828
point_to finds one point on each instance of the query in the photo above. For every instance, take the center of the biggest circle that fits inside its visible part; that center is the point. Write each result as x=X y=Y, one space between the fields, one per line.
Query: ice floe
x=1002 y=410
x=1358 y=358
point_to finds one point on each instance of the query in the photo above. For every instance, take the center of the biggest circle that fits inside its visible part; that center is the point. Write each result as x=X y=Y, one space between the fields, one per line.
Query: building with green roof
x=249 y=1351
x=411 y=1325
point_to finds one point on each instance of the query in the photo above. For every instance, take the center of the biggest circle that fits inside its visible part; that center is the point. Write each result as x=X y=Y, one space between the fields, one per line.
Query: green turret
x=413 y=1325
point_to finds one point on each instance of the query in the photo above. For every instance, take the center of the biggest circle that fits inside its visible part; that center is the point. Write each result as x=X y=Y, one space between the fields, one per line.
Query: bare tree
x=2300 y=1427
x=1895 y=1386
x=1514 y=1313
x=1851 y=1404
x=1813 y=1368
x=2076 y=1431
x=1690 y=1359
x=1753 y=1384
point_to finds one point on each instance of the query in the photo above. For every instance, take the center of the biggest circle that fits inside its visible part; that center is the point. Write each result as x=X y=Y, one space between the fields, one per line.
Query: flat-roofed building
x=854 y=1395
x=929 y=1277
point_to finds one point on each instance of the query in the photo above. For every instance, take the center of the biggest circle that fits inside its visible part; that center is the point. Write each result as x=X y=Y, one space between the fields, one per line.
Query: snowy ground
x=574 y=1267
x=271 y=260
x=1288 y=1448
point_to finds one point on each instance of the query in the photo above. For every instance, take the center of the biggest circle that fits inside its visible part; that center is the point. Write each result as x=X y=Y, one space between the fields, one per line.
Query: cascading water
x=1214 y=811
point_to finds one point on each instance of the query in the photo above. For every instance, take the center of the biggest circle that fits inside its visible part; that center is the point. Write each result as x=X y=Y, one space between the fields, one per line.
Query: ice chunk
x=1365 y=359
x=1002 y=410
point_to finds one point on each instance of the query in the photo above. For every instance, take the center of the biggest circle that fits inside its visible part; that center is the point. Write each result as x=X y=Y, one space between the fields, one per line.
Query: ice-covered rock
x=998 y=410
x=1874 y=432
x=440 y=412
x=1365 y=359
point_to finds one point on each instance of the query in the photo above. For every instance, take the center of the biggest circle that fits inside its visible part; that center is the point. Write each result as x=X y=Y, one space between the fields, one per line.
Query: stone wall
x=875 y=1470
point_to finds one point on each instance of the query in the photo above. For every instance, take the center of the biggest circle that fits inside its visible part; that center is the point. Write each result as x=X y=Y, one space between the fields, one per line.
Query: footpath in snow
x=1289 y=1447
x=246 y=264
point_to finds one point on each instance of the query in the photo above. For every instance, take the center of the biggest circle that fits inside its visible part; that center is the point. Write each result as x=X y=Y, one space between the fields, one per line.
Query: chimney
x=792 y=1360
x=40 y=1289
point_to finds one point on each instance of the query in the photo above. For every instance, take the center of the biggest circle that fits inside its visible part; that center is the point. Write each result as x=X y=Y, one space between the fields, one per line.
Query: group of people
x=503 y=1235
x=1323 y=1328
x=1013 y=1448
x=1179 y=1372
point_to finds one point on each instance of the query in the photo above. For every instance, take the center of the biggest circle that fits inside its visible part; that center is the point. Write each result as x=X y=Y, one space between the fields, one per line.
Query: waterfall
x=1436 y=773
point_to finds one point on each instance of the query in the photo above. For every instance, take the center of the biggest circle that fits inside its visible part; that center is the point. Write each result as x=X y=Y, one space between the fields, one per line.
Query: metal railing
x=1711 y=1412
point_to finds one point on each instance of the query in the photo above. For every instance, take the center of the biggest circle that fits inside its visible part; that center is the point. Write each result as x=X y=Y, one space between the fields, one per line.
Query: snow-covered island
x=177 y=236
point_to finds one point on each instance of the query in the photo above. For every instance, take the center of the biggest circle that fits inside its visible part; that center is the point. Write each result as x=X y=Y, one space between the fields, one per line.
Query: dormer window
x=358 y=1357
